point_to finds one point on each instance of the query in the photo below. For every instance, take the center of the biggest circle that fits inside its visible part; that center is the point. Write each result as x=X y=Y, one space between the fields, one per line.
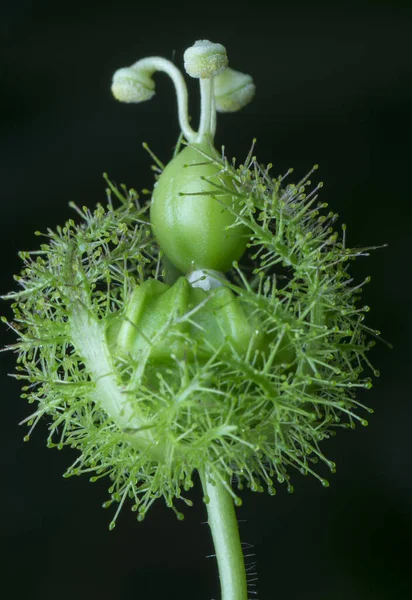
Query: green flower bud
x=233 y=90
x=132 y=84
x=205 y=59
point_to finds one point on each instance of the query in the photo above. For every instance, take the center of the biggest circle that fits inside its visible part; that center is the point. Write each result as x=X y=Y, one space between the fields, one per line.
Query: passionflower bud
x=233 y=90
x=132 y=84
x=205 y=59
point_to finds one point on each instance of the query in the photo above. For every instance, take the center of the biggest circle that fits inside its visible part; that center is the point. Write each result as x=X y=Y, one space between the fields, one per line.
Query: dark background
x=334 y=88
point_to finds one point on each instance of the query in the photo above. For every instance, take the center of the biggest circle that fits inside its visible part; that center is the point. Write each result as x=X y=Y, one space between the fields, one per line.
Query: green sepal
x=163 y=323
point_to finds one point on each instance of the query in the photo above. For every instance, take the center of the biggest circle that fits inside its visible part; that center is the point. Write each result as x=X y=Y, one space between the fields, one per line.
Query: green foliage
x=249 y=412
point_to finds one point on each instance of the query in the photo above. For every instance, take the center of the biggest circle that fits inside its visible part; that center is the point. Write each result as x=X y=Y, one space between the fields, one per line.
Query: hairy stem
x=223 y=525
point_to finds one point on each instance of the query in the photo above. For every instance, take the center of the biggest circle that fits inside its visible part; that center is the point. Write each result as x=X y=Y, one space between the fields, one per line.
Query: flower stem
x=207 y=118
x=223 y=525
x=156 y=63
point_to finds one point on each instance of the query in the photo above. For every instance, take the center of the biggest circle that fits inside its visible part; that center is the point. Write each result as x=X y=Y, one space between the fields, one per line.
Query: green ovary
x=192 y=217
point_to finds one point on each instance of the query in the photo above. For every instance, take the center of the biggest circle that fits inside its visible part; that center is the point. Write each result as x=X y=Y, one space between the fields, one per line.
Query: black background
x=334 y=88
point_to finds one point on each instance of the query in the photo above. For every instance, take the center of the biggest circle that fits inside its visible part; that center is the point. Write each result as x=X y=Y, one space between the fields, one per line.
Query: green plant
x=221 y=333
